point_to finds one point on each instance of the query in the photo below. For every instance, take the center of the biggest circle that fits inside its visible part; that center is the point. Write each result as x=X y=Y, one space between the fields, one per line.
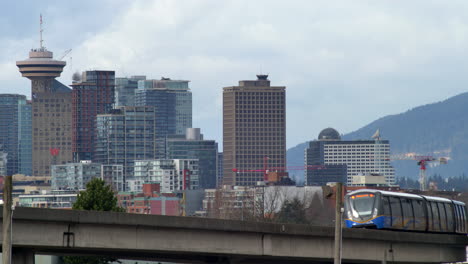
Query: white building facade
x=358 y=157
x=75 y=176
x=171 y=174
x=362 y=157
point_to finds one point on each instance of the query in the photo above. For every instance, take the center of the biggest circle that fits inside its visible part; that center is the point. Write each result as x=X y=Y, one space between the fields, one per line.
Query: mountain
x=437 y=129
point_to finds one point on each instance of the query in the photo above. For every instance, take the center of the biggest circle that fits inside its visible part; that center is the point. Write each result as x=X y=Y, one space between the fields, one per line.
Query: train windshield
x=362 y=205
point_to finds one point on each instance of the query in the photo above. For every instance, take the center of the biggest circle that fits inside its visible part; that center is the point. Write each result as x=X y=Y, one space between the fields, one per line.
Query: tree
x=97 y=197
x=292 y=212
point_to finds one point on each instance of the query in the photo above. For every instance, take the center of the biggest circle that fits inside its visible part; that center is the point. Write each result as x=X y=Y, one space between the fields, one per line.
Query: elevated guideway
x=203 y=240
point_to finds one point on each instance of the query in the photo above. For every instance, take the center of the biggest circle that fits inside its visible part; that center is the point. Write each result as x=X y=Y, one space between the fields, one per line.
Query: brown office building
x=254 y=131
x=51 y=111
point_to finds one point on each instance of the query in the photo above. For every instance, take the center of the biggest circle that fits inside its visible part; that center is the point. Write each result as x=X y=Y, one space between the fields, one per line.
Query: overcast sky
x=344 y=63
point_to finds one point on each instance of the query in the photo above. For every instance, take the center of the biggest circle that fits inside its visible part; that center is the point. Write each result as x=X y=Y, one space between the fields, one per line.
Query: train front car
x=362 y=209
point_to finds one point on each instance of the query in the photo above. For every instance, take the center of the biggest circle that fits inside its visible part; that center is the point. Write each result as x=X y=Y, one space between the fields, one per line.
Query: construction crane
x=64 y=54
x=422 y=162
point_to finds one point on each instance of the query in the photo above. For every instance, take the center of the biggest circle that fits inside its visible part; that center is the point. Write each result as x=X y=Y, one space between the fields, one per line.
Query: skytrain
x=401 y=211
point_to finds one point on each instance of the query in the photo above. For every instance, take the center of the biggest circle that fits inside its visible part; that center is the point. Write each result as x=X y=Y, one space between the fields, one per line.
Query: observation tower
x=51 y=109
x=40 y=67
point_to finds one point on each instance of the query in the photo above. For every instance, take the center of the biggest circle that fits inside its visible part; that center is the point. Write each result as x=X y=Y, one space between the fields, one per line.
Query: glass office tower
x=172 y=100
x=125 y=135
x=193 y=146
x=15 y=133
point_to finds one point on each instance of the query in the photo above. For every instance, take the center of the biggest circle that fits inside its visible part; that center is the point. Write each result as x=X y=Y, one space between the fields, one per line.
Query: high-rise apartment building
x=125 y=135
x=92 y=96
x=125 y=90
x=254 y=130
x=171 y=174
x=172 y=100
x=345 y=159
x=51 y=111
x=113 y=175
x=193 y=146
x=74 y=176
x=15 y=133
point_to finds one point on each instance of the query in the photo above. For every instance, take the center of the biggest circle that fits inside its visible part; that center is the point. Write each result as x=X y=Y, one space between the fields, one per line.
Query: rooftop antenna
x=40 y=32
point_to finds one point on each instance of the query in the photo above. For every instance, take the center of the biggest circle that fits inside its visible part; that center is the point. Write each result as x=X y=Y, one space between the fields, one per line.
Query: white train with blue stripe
x=401 y=211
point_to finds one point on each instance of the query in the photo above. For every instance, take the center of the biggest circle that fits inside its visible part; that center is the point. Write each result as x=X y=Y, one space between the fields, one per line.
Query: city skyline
x=350 y=50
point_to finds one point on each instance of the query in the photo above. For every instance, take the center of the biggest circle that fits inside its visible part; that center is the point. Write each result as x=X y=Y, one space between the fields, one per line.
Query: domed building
x=329 y=134
x=348 y=160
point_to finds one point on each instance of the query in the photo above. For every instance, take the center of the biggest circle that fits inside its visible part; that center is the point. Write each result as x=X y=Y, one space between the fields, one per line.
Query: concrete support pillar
x=22 y=256
x=7 y=219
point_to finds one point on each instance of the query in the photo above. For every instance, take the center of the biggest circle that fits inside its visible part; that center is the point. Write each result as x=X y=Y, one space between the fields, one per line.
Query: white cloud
x=345 y=63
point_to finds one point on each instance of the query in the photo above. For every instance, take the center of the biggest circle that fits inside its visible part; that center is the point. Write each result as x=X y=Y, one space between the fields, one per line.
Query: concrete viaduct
x=203 y=240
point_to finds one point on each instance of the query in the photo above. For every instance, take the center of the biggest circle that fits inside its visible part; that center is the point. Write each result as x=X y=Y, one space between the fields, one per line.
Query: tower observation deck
x=40 y=65
x=41 y=69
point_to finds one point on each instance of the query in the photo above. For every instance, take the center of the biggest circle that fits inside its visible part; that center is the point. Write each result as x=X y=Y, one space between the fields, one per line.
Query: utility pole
x=338 y=235
x=7 y=219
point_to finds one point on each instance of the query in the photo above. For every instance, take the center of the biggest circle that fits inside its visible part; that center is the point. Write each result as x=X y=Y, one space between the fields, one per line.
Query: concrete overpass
x=202 y=240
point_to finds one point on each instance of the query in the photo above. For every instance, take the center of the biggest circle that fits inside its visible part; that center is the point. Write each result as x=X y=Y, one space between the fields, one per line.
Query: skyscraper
x=193 y=146
x=219 y=173
x=15 y=133
x=92 y=96
x=345 y=159
x=125 y=90
x=172 y=100
x=254 y=130
x=125 y=135
x=51 y=110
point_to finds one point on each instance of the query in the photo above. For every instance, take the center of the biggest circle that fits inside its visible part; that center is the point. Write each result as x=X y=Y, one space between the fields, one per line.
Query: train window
x=386 y=211
x=363 y=205
x=435 y=216
x=385 y=206
x=450 y=217
x=395 y=206
x=463 y=218
x=442 y=216
x=457 y=217
x=430 y=217
x=419 y=215
x=408 y=217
